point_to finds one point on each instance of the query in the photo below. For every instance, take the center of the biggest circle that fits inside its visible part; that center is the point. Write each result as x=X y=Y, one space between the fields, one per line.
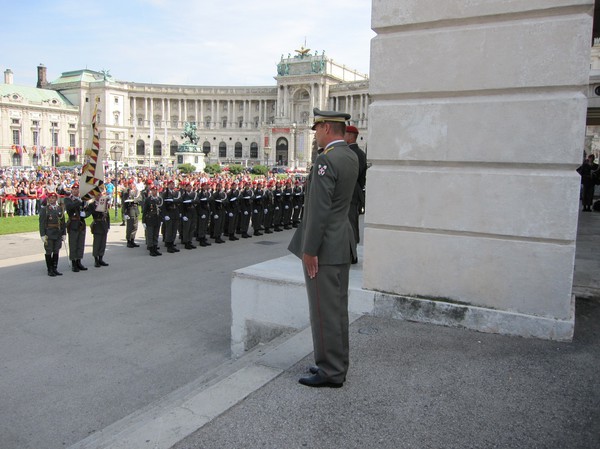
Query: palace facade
x=142 y=124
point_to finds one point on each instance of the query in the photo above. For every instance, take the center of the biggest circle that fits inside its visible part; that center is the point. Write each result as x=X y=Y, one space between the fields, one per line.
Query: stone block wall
x=477 y=124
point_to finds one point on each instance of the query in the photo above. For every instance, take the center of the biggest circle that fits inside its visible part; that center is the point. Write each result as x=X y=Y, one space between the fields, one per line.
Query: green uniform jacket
x=325 y=230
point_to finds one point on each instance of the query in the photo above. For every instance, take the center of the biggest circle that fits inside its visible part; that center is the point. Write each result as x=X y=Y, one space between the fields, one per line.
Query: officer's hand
x=45 y=239
x=144 y=225
x=311 y=263
x=216 y=217
x=185 y=218
x=245 y=212
x=230 y=214
x=126 y=217
x=167 y=218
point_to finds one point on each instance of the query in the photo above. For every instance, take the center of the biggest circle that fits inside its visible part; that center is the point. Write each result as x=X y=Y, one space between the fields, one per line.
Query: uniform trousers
x=328 y=308
x=152 y=233
x=76 y=240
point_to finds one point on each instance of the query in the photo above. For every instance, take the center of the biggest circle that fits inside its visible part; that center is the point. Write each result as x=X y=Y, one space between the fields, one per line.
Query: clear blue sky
x=196 y=42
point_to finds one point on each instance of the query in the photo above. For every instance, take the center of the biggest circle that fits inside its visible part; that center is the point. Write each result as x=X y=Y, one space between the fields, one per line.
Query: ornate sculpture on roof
x=105 y=74
x=302 y=53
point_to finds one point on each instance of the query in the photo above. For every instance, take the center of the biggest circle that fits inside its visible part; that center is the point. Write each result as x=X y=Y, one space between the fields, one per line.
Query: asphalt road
x=82 y=351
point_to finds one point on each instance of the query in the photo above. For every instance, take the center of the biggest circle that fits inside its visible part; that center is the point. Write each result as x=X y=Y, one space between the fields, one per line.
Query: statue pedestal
x=191 y=154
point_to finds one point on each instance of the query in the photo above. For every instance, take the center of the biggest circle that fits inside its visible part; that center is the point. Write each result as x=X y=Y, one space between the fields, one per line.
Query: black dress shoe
x=313 y=369
x=317 y=381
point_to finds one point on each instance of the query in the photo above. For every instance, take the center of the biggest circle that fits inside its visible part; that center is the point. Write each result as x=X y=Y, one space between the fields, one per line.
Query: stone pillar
x=476 y=127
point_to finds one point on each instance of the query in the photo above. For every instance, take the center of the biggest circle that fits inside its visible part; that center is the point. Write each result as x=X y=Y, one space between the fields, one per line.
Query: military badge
x=322 y=169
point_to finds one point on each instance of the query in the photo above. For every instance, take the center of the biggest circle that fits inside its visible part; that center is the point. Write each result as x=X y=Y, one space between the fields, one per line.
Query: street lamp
x=115 y=154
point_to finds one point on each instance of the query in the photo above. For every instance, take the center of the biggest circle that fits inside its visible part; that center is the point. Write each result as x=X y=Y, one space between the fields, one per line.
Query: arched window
x=254 y=150
x=174 y=146
x=238 y=150
x=206 y=147
x=281 y=151
x=222 y=150
x=72 y=158
x=140 y=148
x=157 y=150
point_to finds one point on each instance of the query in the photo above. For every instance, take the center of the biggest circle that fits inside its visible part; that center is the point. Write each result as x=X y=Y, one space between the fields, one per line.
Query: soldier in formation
x=52 y=231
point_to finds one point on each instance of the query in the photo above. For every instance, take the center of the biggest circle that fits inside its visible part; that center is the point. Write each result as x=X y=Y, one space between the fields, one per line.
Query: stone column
x=476 y=127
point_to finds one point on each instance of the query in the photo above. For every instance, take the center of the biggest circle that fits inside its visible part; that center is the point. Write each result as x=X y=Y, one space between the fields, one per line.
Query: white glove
x=126 y=217
x=185 y=218
x=203 y=216
x=82 y=214
x=277 y=208
x=297 y=207
x=144 y=225
x=230 y=214
x=44 y=239
x=287 y=207
x=216 y=217
x=167 y=218
x=245 y=212
x=256 y=211
x=266 y=211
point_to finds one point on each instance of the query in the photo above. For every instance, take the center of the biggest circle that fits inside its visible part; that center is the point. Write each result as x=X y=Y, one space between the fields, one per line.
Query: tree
x=211 y=169
x=186 y=168
x=236 y=169
x=260 y=170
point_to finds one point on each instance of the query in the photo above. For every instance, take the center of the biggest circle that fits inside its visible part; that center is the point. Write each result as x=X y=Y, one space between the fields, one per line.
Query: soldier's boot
x=102 y=263
x=74 y=266
x=130 y=244
x=258 y=233
x=96 y=262
x=80 y=265
x=152 y=251
x=49 y=266
x=268 y=231
x=175 y=249
x=170 y=248
x=219 y=240
x=156 y=251
x=134 y=245
x=233 y=238
x=55 y=265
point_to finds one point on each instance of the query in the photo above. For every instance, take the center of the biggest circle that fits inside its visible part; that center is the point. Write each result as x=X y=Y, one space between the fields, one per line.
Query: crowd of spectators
x=23 y=190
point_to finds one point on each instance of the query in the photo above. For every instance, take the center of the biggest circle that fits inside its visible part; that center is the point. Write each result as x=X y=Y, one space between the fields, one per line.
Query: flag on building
x=92 y=172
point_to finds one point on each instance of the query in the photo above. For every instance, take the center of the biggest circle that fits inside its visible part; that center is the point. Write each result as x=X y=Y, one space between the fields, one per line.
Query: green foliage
x=236 y=169
x=211 y=169
x=68 y=164
x=260 y=170
x=17 y=225
x=186 y=168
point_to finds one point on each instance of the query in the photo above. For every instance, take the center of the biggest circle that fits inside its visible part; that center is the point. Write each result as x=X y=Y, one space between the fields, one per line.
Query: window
x=222 y=149
x=35 y=123
x=116 y=100
x=54 y=139
x=206 y=147
x=15 y=121
x=174 y=147
x=16 y=137
x=53 y=124
x=71 y=139
x=157 y=148
x=117 y=136
x=140 y=149
x=71 y=125
x=238 y=150
x=36 y=137
x=254 y=150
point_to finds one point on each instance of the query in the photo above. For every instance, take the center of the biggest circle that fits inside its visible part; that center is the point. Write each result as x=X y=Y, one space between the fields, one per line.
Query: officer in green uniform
x=75 y=210
x=151 y=220
x=99 y=210
x=130 y=212
x=52 y=232
x=325 y=242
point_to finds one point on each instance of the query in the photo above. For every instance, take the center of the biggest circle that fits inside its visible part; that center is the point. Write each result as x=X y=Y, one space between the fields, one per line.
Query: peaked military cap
x=329 y=116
